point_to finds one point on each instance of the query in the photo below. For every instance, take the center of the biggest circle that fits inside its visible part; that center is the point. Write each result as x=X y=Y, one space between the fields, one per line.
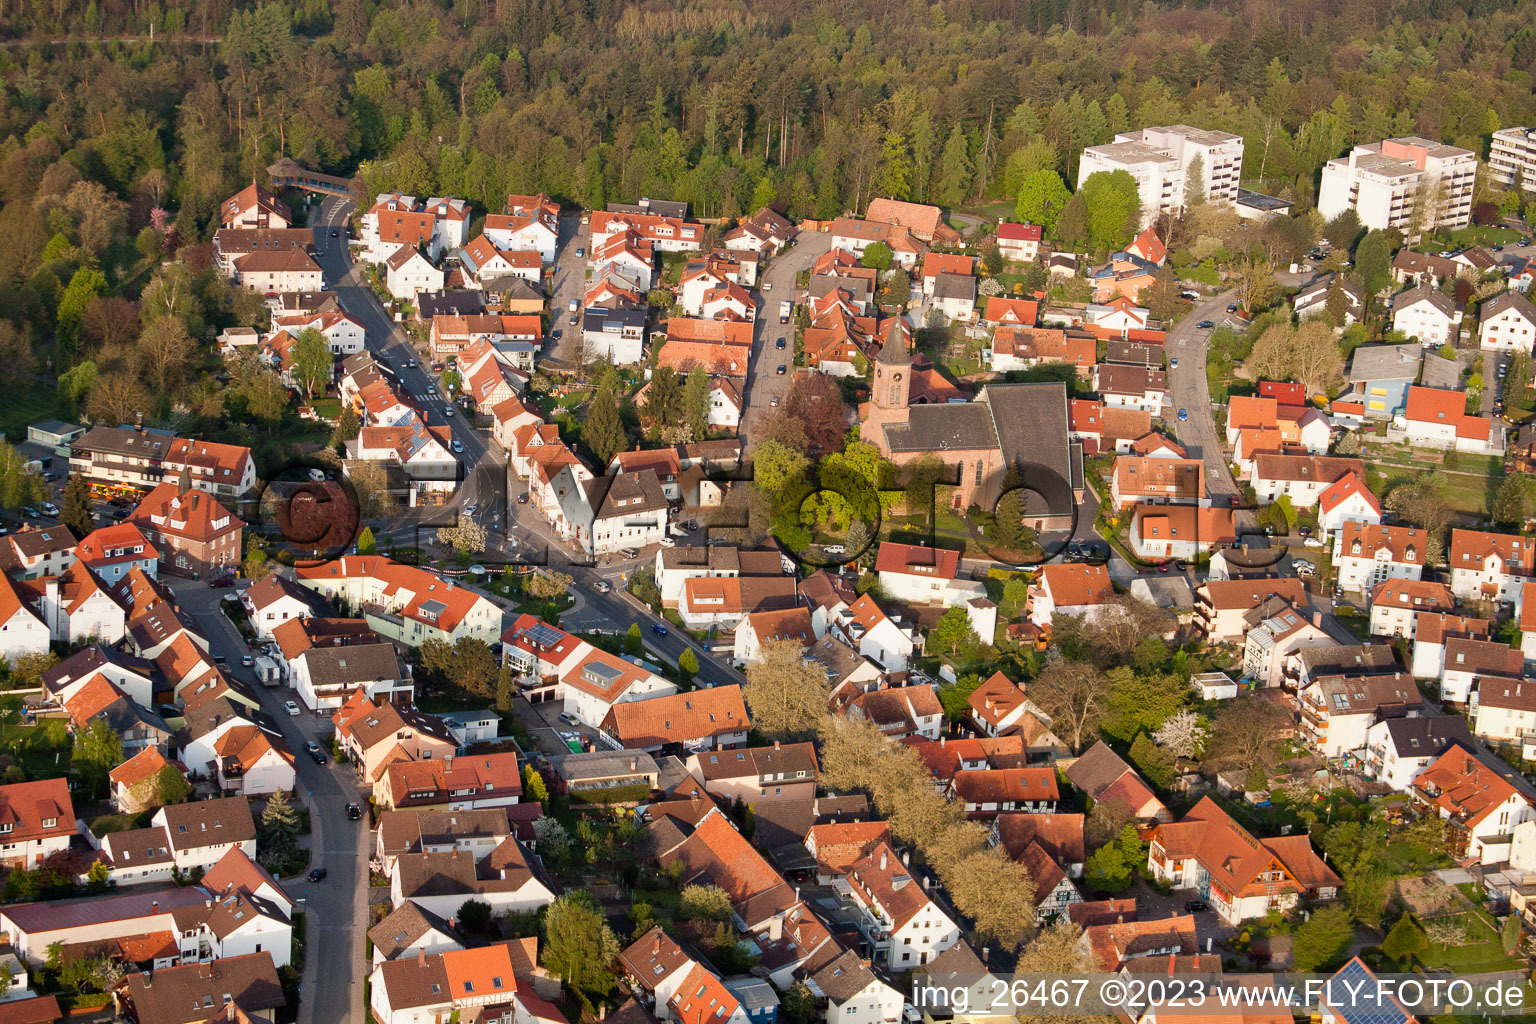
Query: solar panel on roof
x=1359 y=1000
x=543 y=635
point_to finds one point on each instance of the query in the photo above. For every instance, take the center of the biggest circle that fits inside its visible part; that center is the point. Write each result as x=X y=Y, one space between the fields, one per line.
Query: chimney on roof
x=882 y=860
x=634 y=764
x=602 y=1012
x=775 y=744
x=1317 y=619
x=421 y=958
x=155 y=906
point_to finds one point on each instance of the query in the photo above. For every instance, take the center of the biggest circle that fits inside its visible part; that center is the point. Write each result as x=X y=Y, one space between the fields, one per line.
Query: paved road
x=569 y=285
x=331 y=991
x=777 y=284
x=1191 y=392
x=392 y=347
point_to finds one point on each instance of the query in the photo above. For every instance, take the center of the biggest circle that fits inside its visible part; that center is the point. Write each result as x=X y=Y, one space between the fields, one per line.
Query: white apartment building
x=1380 y=182
x=1159 y=158
x=1513 y=148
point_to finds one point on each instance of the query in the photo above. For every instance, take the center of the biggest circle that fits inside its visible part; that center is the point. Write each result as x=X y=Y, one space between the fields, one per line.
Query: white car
x=667 y=542
x=292 y=708
x=1312 y=542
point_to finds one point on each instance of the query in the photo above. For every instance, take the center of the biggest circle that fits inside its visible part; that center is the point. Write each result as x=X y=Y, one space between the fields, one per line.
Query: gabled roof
x=653 y=957
x=1460 y=784
x=917 y=560
x=28 y=807
x=400 y=929
x=1237 y=863
x=1348 y=486
x=200 y=823
x=1060 y=835
x=678 y=717
x=1073 y=586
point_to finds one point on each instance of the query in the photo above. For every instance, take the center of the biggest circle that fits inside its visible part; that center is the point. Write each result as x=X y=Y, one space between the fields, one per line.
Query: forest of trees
x=116 y=152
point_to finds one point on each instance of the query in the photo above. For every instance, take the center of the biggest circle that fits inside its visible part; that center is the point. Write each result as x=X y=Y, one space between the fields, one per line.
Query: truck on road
x=786 y=309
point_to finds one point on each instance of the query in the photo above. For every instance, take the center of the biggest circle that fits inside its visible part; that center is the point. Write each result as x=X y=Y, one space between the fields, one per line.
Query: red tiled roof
x=1072 y=586
x=678 y=717
x=917 y=560
x=1463 y=786
x=26 y=805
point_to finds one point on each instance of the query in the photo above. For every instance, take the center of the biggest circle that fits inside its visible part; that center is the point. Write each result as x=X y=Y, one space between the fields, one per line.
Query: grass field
x=27 y=405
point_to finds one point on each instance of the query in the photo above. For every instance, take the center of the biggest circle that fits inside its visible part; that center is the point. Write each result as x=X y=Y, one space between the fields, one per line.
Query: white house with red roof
x=77 y=605
x=482 y=262
x=1019 y=242
x=530 y=222
x=1490 y=566
x=1148 y=246
x=397 y=221
x=1437 y=418
x=342 y=332
x=1017 y=312
x=903 y=926
x=459 y=984
x=1302 y=478
x=37 y=820
x=1347 y=500
x=22 y=630
x=866 y=628
x=588 y=680
x=408 y=271
x=665 y=234
x=1396 y=605
x=1083 y=590
x=1239 y=875
x=402 y=602
x=1365 y=554
x=1479 y=806
x=254 y=207
x=111 y=551
x=924 y=575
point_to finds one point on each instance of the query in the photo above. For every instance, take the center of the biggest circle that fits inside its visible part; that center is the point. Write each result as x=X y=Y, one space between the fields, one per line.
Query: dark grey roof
x=954 y=286
x=359 y=663
x=844 y=978
x=1511 y=299
x=1385 y=362
x=407 y=923
x=195 y=992
x=598 y=317
x=1347 y=659
x=1134 y=354
x=603 y=764
x=1097 y=770
x=655 y=207
x=1031 y=422
x=858 y=288
x=641 y=491
x=894 y=351
x=83 y=663
x=754 y=994
x=953 y=426
x=454 y=302
x=1429 y=736
x=1425 y=292
x=224 y=821
x=138 y=902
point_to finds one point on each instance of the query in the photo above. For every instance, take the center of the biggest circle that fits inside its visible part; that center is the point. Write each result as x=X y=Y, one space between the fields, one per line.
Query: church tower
x=893 y=370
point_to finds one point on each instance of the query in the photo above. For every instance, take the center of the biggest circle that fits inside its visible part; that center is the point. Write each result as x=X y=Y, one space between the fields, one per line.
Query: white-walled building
x=1159 y=160
x=1383 y=182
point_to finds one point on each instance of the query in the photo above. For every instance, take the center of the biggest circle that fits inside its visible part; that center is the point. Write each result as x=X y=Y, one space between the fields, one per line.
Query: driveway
x=570 y=285
x=332 y=985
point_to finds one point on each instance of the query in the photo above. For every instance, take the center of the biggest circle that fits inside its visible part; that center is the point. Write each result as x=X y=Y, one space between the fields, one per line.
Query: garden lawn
x=26 y=405
x=1481 y=953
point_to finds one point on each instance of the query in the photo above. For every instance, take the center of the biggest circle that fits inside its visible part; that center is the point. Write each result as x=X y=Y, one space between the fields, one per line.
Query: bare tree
x=1246 y=733
x=786 y=695
x=1073 y=694
x=999 y=895
x=1183 y=735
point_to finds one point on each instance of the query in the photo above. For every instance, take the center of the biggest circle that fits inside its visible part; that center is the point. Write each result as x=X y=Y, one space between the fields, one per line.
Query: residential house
x=402 y=602
x=615 y=334
x=1397 y=749
x=954 y=295
x=237 y=989
x=1366 y=554
x=1490 y=566
x=111 y=551
x=1070 y=589
x=37 y=820
x=1161 y=160
x=1437 y=418
x=254 y=207
x=326 y=677
x=854 y=993
x=1396 y=605
x=274 y=600
x=1059 y=836
x=1337 y=711
x=375 y=734
x=1019 y=242
x=1241 y=876
x=699 y=720
x=1018 y=347
x=1105 y=777
x=990 y=791
x=194 y=534
x=463 y=782
x=113 y=459
x=486 y=983
x=1435 y=630
x=408 y=930
x=1479 y=806
x=201 y=832
x=751 y=774
x=22 y=630
x=1002 y=311
x=1115 y=946
x=35 y=552
x=924 y=221
x=441 y=883
x=1380 y=375
x=1302 y=478
x=1469 y=662
x=1180 y=531
x=1131 y=387
x=1347 y=500
x=1380 y=181
x=397 y=222
x=438 y=831
x=1279 y=630
x=1507 y=323
x=922 y=575
x=1312 y=300
x=898 y=919
x=1428 y=315
x=900 y=710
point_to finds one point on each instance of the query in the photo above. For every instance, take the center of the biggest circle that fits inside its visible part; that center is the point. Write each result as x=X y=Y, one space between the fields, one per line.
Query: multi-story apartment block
x=1381 y=183
x=1513 y=149
x=1159 y=159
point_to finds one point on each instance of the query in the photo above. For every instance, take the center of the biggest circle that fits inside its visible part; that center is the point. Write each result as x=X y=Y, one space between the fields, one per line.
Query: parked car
x=315 y=753
x=50 y=509
x=458 y=446
x=774 y=402
x=780 y=370
x=354 y=811
x=569 y=719
x=580 y=252
x=659 y=629
x=1234 y=500
x=1206 y=325
x=779 y=343
x=667 y=542
x=222 y=581
x=1183 y=415
x=1173 y=363
x=247 y=661
x=1195 y=906
x=292 y=708
x=1232 y=308
x=316 y=874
